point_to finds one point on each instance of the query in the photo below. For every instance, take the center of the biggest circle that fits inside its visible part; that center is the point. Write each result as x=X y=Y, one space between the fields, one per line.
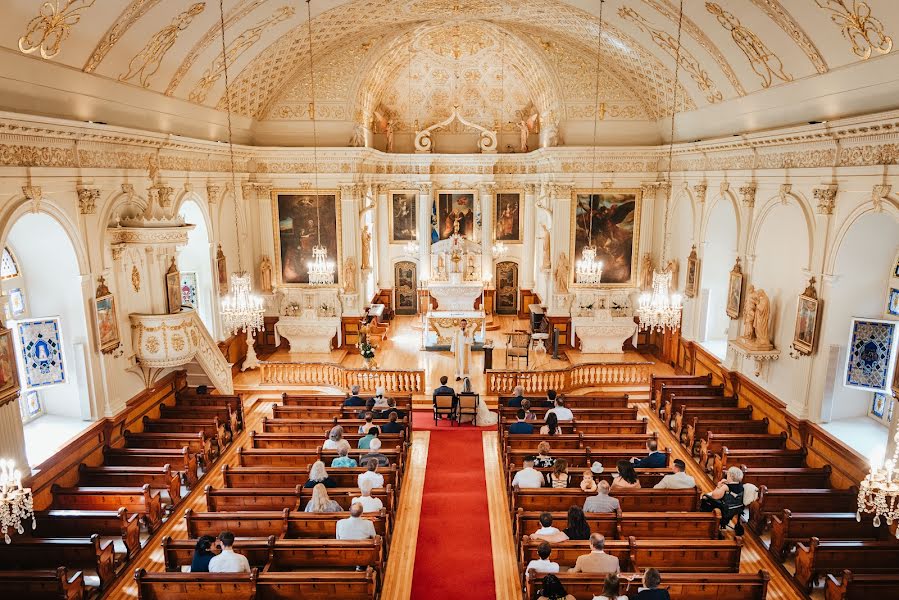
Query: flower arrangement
x=325 y=310
x=367 y=351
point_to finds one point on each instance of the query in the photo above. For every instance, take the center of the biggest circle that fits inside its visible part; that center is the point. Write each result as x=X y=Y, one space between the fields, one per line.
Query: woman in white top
x=380 y=399
x=611 y=589
x=335 y=439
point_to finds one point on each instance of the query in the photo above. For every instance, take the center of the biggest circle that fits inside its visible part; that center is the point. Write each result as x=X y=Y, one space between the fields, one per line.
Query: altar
x=307 y=334
x=602 y=320
x=440 y=325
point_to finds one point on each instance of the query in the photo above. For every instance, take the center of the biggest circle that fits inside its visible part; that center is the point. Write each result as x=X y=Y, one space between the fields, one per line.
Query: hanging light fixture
x=16 y=502
x=660 y=309
x=321 y=270
x=500 y=249
x=878 y=493
x=241 y=308
x=588 y=270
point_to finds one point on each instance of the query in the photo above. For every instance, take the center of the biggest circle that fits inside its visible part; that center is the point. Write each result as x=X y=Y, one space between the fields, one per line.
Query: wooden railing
x=393 y=380
x=572 y=378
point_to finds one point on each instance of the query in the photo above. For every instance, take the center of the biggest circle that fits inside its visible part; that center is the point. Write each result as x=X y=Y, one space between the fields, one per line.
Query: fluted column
x=486 y=194
x=529 y=243
x=12 y=435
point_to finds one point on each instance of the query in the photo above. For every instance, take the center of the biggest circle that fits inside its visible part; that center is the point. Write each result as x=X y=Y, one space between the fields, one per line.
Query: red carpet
x=453 y=558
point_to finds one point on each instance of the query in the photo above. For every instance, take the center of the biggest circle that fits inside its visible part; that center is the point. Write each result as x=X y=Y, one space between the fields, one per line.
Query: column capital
x=701 y=190
x=425 y=187
x=87 y=199
x=530 y=188
x=561 y=190
x=878 y=194
x=213 y=192
x=163 y=194
x=649 y=188
x=487 y=188
x=747 y=194
x=724 y=187
x=825 y=199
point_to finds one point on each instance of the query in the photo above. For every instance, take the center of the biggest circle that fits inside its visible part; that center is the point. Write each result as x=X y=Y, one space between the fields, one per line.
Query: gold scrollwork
x=146 y=62
x=863 y=31
x=762 y=59
x=53 y=24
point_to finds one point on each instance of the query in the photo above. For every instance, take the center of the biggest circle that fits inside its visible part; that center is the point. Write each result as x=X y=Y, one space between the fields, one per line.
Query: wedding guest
x=654 y=460
x=521 y=426
x=553 y=590
x=355 y=527
x=528 y=476
x=543 y=564
x=354 y=399
x=529 y=415
x=319 y=474
x=343 y=460
x=202 y=554
x=321 y=502
x=552 y=425
x=588 y=484
x=227 y=560
x=543 y=458
x=578 y=527
x=652 y=579
x=368 y=502
x=371 y=475
x=547 y=532
x=517 y=397
x=602 y=502
x=365 y=441
x=611 y=589
x=626 y=478
x=678 y=479
x=559 y=477
x=597 y=561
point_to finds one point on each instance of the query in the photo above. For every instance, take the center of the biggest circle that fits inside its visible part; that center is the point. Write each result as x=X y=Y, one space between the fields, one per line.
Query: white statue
x=461 y=349
x=547 y=257
x=561 y=275
x=265 y=274
x=525 y=127
x=389 y=132
x=366 y=248
x=349 y=276
x=358 y=139
x=550 y=134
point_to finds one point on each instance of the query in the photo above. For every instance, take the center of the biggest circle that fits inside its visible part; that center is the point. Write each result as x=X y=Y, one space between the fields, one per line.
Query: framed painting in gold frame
x=9 y=377
x=609 y=219
x=735 y=291
x=808 y=320
x=507 y=217
x=301 y=220
x=173 y=288
x=403 y=213
x=691 y=283
x=455 y=214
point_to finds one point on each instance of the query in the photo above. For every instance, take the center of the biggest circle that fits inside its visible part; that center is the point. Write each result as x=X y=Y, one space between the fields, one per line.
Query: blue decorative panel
x=41 y=352
x=870 y=354
x=893 y=303
x=879 y=404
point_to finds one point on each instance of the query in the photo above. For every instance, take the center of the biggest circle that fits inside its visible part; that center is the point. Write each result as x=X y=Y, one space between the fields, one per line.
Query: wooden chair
x=468 y=406
x=444 y=405
x=517 y=346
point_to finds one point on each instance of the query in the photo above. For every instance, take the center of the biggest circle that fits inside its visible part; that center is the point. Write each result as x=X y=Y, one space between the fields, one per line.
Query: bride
x=485 y=417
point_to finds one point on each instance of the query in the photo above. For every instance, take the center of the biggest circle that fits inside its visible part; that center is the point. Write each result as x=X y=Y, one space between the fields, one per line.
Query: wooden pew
x=697 y=429
x=631 y=500
x=656 y=382
x=197 y=443
x=791 y=459
x=211 y=428
x=688 y=413
x=774 y=501
x=84 y=523
x=579 y=458
x=312 y=440
x=43 y=585
x=713 y=443
x=781 y=477
x=272 y=499
x=303 y=457
x=224 y=414
x=403 y=401
x=183 y=460
x=265 y=477
x=680 y=586
x=320 y=426
x=675 y=402
x=667 y=391
x=159 y=478
x=142 y=501
x=539 y=403
x=861 y=586
x=623 y=427
x=648 y=525
x=233 y=401
x=788 y=527
x=819 y=557
x=635 y=443
x=566 y=553
x=85 y=553
x=292 y=525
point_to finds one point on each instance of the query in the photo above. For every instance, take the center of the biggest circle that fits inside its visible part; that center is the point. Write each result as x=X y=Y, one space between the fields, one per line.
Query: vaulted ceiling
x=157 y=64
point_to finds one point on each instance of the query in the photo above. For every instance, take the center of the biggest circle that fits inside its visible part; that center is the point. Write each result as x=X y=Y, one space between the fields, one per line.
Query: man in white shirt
x=228 y=561
x=678 y=480
x=355 y=527
x=597 y=561
x=528 y=477
x=547 y=532
x=562 y=412
x=543 y=564
x=371 y=476
x=368 y=503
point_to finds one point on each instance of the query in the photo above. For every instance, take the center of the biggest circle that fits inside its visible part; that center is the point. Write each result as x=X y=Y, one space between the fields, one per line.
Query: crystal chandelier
x=500 y=250
x=16 y=502
x=321 y=270
x=879 y=491
x=588 y=270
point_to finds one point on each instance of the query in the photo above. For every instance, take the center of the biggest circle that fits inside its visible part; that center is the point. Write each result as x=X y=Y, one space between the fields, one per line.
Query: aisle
x=453 y=557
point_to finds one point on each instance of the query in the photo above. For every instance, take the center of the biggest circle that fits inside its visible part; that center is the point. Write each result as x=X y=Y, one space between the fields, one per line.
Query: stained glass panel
x=8 y=266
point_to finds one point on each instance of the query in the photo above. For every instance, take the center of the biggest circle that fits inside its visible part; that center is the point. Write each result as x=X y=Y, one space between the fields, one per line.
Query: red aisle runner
x=453 y=558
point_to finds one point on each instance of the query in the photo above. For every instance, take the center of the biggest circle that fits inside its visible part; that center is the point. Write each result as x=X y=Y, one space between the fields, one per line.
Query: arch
x=769 y=206
x=890 y=206
x=197 y=257
x=721 y=196
x=22 y=206
x=202 y=204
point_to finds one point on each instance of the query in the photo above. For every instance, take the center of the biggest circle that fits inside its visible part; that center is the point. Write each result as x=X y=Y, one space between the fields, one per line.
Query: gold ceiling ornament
x=146 y=62
x=241 y=44
x=135 y=10
x=668 y=43
x=53 y=24
x=762 y=59
x=777 y=13
x=863 y=31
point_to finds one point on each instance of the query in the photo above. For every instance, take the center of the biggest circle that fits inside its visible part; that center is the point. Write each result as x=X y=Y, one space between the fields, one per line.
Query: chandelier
x=16 y=502
x=879 y=491
x=241 y=308
x=500 y=249
x=588 y=270
x=321 y=270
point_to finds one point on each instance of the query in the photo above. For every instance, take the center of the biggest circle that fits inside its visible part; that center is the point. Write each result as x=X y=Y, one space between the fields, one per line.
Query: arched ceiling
x=412 y=57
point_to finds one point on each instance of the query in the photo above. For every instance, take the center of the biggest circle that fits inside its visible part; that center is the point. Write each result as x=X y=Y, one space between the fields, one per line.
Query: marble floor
x=47 y=434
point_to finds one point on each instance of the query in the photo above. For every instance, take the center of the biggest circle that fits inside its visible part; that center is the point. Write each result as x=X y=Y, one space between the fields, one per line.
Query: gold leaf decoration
x=52 y=25
x=777 y=13
x=863 y=31
x=131 y=15
x=146 y=62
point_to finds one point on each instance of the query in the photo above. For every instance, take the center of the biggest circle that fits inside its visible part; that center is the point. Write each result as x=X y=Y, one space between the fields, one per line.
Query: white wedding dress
x=485 y=417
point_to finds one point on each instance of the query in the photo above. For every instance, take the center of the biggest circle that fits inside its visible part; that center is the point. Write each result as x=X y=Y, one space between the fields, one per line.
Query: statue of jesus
x=461 y=349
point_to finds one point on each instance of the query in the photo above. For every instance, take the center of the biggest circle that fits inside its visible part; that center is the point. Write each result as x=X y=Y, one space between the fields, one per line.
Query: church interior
x=276 y=277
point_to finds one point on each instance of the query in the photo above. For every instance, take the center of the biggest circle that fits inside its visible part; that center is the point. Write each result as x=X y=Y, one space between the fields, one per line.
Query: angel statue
x=525 y=128
x=358 y=139
x=384 y=124
x=389 y=132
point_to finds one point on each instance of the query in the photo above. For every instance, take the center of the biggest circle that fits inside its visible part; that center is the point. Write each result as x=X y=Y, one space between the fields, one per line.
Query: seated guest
x=391 y=410
x=543 y=564
x=392 y=426
x=552 y=425
x=371 y=475
x=553 y=590
x=550 y=401
x=319 y=474
x=597 y=561
x=202 y=554
x=354 y=399
x=728 y=497
x=543 y=458
x=380 y=399
x=562 y=412
x=369 y=504
x=321 y=502
x=365 y=442
x=654 y=460
x=602 y=502
x=678 y=480
x=547 y=532
x=588 y=483
x=626 y=477
x=529 y=415
x=335 y=439
x=369 y=417
x=528 y=477
x=369 y=408
x=227 y=560
x=652 y=579
x=373 y=453
x=578 y=528
x=520 y=426
x=517 y=397
x=611 y=589
x=559 y=477
x=355 y=527
x=343 y=460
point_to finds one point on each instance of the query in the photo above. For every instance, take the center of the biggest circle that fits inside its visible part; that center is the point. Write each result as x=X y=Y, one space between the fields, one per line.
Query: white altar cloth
x=456 y=297
x=307 y=336
x=603 y=335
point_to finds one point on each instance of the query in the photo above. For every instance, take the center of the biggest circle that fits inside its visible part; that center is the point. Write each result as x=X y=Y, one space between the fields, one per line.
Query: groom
x=461 y=347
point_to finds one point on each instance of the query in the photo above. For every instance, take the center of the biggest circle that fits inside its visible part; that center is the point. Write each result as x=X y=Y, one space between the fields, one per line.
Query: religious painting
x=405 y=288
x=9 y=378
x=691 y=285
x=173 y=288
x=805 y=336
x=107 y=323
x=893 y=302
x=869 y=359
x=879 y=405
x=221 y=269
x=41 y=346
x=609 y=222
x=735 y=291
x=302 y=221
x=455 y=215
x=16 y=302
x=507 y=214
x=31 y=406
x=506 y=288
x=403 y=216
x=189 y=289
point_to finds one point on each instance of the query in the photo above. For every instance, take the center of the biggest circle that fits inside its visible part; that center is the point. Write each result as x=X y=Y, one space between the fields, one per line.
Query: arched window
x=8 y=267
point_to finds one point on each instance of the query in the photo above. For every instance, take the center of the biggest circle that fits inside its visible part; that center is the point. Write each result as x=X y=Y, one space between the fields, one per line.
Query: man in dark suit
x=391 y=408
x=518 y=394
x=521 y=426
x=354 y=399
x=654 y=460
x=445 y=390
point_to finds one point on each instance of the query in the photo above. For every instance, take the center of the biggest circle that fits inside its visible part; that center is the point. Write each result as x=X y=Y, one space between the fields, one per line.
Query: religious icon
x=189 y=289
x=735 y=291
x=173 y=288
x=107 y=319
x=692 y=283
x=893 y=303
x=16 y=302
x=403 y=226
x=608 y=221
x=302 y=222
x=455 y=214
x=508 y=217
x=9 y=378
x=41 y=348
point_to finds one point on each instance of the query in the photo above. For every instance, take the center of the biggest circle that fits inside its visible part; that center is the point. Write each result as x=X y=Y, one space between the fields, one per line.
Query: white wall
x=195 y=256
x=719 y=252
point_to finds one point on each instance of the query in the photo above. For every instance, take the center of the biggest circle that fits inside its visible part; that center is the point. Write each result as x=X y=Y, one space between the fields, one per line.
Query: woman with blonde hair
x=319 y=474
x=321 y=502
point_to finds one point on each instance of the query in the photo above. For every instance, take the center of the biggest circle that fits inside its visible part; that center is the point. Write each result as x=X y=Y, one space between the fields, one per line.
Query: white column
x=12 y=435
x=486 y=194
x=382 y=232
x=529 y=244
x=561 y=207
x=425 y=202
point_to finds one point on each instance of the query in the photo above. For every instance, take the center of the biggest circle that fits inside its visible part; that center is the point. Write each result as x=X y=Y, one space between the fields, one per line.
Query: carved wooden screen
x=405 y=288
x=506 y=288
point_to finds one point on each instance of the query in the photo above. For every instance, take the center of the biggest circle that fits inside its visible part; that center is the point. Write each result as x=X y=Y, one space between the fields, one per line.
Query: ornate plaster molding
x=747 y=194
x=879 y=194
x=87 y=199
x=700 y=190
x=825 y=199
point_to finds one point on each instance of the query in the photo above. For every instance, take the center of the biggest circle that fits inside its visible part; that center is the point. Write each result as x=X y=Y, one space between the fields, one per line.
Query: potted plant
x=368 y=356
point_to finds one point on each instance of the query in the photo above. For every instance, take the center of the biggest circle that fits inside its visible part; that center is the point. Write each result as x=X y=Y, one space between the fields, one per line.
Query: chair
x=468 y=405
x=444 y=404
x=517 y=346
